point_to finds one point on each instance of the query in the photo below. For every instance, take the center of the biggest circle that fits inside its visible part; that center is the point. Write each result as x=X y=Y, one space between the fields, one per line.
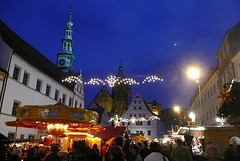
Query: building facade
x=142 y=119
x=32 y=80
x=205 y=104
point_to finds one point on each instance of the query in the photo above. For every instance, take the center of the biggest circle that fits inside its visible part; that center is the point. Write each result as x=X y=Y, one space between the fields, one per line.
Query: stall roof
x=110 y=132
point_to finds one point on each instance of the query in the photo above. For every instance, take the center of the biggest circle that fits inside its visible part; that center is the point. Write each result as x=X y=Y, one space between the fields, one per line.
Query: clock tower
x=65 y=57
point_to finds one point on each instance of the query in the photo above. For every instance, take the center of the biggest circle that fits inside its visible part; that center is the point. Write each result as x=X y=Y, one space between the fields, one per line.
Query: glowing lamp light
x=176 y=109
x=192 y=116
x=57 y=129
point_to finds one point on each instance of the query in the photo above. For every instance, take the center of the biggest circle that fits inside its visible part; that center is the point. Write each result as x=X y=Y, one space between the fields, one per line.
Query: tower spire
x=65 y=57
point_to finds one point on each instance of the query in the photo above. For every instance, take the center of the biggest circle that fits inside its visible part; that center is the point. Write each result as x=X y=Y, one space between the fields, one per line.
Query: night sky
x=151 y=37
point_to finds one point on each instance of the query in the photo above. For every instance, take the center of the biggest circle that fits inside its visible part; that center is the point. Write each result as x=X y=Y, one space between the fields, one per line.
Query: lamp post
x=177 y=109
x=194 y=74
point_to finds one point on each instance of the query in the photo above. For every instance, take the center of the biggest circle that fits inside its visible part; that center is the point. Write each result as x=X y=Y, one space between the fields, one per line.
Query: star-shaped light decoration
x=224 y=97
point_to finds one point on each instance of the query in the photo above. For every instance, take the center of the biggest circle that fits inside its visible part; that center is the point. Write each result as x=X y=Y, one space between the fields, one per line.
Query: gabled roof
x=32 y=56
x=103 y=100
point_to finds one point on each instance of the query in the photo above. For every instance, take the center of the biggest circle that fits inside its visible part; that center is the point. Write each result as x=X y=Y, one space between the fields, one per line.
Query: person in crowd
x=16 y=155
x=213 y=152
x=78 y=152
x=166 y=151
x=53 y=156
x=32 y=155
x=93 y=155
x=145 y=147
x=3 y=152
x=127 y=151
x=116 y=154
x=231 y=153
x=118 y=141
x=142 y=152
x=181 y=152
x=238 y=151
x=155 y=154
x=135 y=153
x=96 y=149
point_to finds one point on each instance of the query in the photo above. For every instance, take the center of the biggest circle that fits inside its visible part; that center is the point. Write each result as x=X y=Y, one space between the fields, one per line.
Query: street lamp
x=177 y=109
x=194 y=74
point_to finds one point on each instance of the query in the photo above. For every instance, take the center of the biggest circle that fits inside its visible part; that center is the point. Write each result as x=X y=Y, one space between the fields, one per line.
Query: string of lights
x=152 y=78
x=71 y=79
x=134 y=119
x=112 y=80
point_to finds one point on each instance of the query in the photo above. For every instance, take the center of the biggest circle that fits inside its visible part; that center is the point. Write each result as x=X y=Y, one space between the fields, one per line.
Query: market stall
x=64 y=123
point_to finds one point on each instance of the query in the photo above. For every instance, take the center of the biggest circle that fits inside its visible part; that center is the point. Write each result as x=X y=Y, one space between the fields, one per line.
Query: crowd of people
x=122 y=150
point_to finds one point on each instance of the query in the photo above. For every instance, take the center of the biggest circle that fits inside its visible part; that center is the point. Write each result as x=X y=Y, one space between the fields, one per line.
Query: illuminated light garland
x=71 y=79
x=95 y=81
x=154 y=118
x=111 y=80
x=152 y=78
x=128 y=81
x=134 y=119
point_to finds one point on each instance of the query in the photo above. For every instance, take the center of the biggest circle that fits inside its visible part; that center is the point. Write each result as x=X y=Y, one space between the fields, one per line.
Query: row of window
x=12 y=134
x=207 y=95
x=39 y=84
x=135 y=108
x=135 y=101
x=138 y=123
x=141 y=132
x=135 y=115
x=223 y=53
x=228 y=74
x=209 y=115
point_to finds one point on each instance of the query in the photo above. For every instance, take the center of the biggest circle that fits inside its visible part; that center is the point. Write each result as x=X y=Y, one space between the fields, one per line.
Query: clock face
x=61 y=62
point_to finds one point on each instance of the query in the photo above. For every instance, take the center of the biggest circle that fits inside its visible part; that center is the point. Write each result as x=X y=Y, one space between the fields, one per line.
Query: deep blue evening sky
x=152 y=37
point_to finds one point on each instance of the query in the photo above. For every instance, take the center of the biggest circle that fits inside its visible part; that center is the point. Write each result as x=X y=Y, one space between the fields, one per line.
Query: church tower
x=65 y=57
x=121 y=94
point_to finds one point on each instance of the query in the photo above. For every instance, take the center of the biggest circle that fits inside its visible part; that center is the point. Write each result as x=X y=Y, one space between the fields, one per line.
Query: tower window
x=134 y=108
x=140 y=108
